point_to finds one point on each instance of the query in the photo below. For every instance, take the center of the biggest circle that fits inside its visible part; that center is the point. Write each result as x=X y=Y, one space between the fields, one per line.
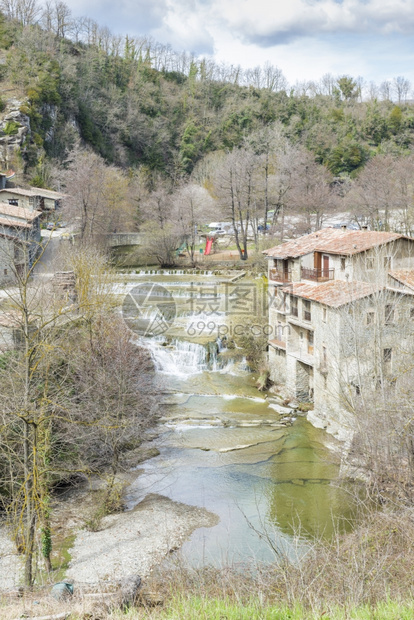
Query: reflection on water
x=226 y=448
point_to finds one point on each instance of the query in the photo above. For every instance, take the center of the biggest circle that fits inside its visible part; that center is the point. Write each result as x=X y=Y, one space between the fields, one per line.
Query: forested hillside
x=139 y=103
x=172 y=133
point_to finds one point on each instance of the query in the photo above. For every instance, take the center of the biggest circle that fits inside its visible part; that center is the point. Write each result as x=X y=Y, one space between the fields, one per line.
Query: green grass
x=200 y=608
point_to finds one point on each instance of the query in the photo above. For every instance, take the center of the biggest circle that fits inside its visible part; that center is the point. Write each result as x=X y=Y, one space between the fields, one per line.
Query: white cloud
x=184 y=26
x=305 y=38
x=280 y=22
x=192 y=24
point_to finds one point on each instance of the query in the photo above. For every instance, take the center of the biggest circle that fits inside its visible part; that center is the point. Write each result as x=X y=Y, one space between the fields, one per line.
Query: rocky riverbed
x=134 y=542
x=126 y=543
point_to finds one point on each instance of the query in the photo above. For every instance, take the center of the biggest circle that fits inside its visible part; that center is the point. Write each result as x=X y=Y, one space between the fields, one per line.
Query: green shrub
x=11 y=128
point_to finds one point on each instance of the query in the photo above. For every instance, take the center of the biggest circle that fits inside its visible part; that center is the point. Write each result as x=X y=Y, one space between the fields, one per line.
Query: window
x=281 y=302
x=412 y=313
x=280 y=332
x=31 y=200
x=5 y=272
x=310 y=343
x=387 y=353
x=294 y=306
x=389 y=314
x=307 y=310
x=14 y=202
x=370 y=318
x=324 y=315
x=369 y=263
x=387 y=262
x=343 y=264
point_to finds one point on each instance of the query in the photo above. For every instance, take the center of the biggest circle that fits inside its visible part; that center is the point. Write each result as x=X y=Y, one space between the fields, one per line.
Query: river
x=226 y=447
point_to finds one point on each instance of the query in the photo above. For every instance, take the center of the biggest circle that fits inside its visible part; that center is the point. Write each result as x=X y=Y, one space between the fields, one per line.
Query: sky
x=304 y=38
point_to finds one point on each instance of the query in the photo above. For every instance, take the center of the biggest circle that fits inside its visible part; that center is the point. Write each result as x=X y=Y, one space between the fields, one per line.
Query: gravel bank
x=135 y=541
x=11 y=564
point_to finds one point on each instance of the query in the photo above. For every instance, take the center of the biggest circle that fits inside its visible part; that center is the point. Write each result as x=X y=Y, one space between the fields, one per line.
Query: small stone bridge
x=116 y=240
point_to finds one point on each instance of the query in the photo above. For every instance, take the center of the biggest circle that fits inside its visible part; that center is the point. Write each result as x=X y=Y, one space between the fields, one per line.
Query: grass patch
x=202 y=608
x=62 y=557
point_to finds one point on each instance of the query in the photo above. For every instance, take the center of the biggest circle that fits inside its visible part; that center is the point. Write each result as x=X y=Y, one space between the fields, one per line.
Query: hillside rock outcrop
x=14 y=131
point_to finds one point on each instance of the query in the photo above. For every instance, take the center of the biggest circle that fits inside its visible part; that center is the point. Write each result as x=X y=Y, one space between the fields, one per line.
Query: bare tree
x=62 y=18
x=25 y=11
x=310 y=192
x=385 y=90
x=274 y=80
x=235 y=185
x=162 y=237
x=372 y=195
x=328 y=82
x=193 y=206
x=402 y=87
x=68 y=344
x=272 y=147
x=99 y=201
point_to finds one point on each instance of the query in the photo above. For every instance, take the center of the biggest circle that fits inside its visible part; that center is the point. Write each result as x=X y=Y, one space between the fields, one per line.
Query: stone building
x=34 y=198
x=19 y=239
x=343 y=304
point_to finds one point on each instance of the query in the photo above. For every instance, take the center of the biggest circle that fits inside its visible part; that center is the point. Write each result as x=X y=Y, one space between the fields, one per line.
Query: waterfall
x=182 y=358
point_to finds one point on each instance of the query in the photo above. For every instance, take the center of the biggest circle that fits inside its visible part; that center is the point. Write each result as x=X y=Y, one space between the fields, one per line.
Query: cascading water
x=183 y=358
x=179 y=358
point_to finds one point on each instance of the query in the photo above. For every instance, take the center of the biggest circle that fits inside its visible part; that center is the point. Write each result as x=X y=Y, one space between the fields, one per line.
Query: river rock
x=241 y=447
x=62 y=590
x=280 y=409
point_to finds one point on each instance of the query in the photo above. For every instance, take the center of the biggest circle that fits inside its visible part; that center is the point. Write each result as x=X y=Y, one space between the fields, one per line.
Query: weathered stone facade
x=337 y=324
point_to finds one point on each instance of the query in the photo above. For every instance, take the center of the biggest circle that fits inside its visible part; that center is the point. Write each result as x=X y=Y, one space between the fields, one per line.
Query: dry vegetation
x=365 y=574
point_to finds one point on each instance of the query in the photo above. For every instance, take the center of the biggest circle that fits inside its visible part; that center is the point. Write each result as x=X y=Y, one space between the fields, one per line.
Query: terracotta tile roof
x=335 y=293
x=333 y=241
x=405 y=276
x=11 y=211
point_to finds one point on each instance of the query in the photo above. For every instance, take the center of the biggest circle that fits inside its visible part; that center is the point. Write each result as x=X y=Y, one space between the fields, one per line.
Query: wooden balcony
x=280 y=276
x=317 y=275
